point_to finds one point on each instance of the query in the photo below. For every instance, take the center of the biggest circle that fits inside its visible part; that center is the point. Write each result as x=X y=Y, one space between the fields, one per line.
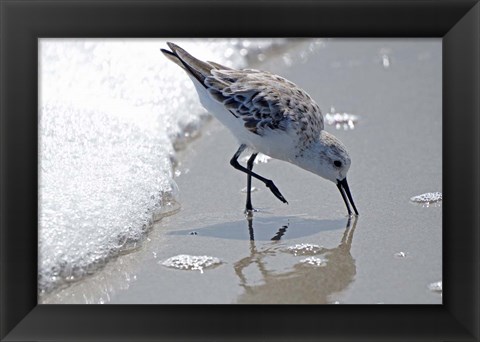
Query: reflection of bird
x=271 y=115
x=304 y=284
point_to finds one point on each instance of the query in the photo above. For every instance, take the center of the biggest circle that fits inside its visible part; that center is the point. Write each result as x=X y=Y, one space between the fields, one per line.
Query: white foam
x=305 y=249
x=191 y=262
x=252 y=189
x=314 y=261
x=436 y=287
x=341 y=120
x=429 y=197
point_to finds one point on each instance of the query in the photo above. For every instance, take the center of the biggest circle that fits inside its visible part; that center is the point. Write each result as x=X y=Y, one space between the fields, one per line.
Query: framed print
x=117 y=188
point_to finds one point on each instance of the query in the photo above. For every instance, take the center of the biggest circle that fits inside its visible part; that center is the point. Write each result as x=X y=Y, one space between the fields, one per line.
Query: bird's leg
x=248 y=206
x=267 y=182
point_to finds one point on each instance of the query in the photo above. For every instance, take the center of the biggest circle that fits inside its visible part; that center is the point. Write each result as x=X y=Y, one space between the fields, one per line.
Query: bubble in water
x=287 y=59
x=427 y=198
x=314 y=261
x=436 y=287
x=253 y=189
x=261 y=158
x=400 y=255
x=385 y=61
x=305 y=249
x=341 y=120
x=168 y=206
x=191 y=262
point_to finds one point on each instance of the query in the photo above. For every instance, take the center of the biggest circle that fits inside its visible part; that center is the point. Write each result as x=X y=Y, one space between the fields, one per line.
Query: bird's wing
x=264 y=101
x=219 y=66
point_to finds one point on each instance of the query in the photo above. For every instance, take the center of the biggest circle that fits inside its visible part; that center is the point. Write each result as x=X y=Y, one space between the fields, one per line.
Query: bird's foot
x=275 y=191
x=249 y=210
x=249 y=213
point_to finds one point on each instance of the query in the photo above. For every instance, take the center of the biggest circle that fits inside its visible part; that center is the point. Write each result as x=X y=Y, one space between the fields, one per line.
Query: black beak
x=342 y=186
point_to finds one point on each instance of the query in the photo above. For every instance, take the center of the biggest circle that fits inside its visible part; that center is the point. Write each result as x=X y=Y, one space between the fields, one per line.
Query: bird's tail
x=173 y=57
x=193 y=66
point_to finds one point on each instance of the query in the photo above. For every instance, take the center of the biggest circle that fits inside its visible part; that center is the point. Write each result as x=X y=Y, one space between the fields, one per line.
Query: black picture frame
x=23 y=22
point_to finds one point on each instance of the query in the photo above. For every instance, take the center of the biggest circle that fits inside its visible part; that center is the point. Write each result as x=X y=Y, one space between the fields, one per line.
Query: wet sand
x=396 y=154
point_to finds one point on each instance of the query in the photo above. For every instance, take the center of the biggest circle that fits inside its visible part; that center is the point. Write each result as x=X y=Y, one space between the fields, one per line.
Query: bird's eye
x=337 y=163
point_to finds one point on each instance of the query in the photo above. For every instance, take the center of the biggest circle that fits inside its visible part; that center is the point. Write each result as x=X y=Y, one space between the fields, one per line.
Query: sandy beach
x=308 y=251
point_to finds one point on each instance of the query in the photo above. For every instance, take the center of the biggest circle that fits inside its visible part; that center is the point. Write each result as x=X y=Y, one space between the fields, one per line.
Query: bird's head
x=331 y=161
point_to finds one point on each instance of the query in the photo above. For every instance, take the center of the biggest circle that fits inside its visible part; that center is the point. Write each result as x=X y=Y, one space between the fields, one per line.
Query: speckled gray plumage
x=265 y=101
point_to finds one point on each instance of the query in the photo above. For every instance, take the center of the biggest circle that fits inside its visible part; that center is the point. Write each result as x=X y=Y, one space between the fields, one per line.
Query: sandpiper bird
x=271 y=115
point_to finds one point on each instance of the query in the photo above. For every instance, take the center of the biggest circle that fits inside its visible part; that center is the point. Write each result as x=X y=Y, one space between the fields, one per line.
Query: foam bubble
x=341 y=120
x=429 y=197
x=191 y=262
x=436 y=287
x=305 y=249
x=314 y=261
